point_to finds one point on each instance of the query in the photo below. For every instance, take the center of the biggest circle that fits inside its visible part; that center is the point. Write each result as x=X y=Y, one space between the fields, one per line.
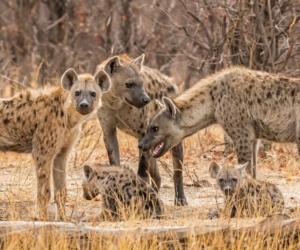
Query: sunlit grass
x=18 y=188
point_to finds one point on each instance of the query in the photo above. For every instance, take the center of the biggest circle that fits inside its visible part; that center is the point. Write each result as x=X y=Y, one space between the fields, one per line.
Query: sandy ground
x=279 y=165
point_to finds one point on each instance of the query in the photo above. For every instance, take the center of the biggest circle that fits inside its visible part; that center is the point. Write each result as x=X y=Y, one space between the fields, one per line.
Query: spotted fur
x=124 y=194
x=248 y=104
x=133 y=118
x=46 y=123
x=245 y=196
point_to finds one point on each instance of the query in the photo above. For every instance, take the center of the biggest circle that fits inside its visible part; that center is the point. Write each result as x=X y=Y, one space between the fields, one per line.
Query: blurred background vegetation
x=186 y=39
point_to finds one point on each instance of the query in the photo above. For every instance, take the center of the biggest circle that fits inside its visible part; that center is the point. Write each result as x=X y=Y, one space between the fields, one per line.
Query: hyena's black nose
x=146 y=99
x=84 y=105
x=142 y=146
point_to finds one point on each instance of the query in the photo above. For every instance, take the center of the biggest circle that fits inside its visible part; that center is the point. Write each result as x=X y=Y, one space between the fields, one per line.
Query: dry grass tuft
x=17 y=199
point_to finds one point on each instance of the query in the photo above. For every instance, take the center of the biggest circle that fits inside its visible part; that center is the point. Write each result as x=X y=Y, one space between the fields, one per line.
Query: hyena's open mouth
x=158 y=150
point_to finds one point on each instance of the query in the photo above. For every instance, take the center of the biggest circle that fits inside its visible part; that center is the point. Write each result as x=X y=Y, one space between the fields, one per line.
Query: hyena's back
x=265 y=101
x=258 y=198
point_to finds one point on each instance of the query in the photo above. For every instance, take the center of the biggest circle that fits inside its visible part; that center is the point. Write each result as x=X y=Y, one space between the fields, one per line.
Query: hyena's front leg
x=110 y=140
x=177 y=154
x=43 y=165
x=112 y=145
x=110 y=137
x=148 y=168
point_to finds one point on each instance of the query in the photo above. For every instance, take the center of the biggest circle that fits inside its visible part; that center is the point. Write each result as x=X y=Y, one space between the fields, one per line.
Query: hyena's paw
x=180 y=201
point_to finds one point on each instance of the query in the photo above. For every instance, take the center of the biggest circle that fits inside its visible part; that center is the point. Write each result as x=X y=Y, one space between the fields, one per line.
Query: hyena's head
x=90 y=183
x=163 y=132
x=127 y=84
x=228 y=179
x=85 y=90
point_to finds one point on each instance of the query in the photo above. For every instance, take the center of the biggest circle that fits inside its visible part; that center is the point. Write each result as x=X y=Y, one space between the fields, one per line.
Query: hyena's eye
x=77 y=93
x=93 y=94
x=154 y=129
x=221 y=180
x=130 y=85
x=234 y=180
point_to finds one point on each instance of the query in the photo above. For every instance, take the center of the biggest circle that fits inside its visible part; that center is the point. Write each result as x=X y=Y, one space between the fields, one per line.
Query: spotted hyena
x=248 y=104
x=46 y=123
x=245 y=196
x=124 y=194
x=129 y=105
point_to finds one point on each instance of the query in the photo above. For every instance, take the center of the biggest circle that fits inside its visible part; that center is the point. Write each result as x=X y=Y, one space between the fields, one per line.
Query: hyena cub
x=46 y=123
x=244 y=195
x=124 y=194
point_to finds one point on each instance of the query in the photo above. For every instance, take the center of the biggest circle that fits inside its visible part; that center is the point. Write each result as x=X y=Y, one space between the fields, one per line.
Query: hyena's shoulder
x=114 y=175
x=158 y=84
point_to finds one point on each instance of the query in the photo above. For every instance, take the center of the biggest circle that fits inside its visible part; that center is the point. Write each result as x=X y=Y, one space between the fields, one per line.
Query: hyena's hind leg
x=43 y=156
x=229 y=146
x=245 y=141
x=43 y=165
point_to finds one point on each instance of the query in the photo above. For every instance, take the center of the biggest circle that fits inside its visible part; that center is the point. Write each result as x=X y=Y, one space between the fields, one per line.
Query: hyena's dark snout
x=145 y=99
x=143 y=145
x=142 y=100
x=84 y=107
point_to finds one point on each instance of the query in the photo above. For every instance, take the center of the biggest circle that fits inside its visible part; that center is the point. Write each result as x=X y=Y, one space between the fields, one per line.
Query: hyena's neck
x=196 y=109
x=111 y=101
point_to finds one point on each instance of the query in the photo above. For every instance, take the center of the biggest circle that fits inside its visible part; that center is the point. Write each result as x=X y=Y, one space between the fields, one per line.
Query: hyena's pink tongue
x=157 y=148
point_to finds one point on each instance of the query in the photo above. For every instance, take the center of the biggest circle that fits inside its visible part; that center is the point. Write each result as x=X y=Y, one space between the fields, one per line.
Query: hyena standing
x=245 y=196
x=124 y=107
x=46 y=123
x=248 y=105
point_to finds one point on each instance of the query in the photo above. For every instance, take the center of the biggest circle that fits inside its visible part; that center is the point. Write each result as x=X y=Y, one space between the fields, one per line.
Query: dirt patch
x=18 y=182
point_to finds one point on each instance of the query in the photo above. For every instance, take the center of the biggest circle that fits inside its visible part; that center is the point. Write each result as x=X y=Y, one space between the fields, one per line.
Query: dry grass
x=17 y=198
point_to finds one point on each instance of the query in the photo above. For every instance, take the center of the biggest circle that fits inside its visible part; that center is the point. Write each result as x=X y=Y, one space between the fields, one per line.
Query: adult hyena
x=46 y=122
x=248 y=104
x=129 y=105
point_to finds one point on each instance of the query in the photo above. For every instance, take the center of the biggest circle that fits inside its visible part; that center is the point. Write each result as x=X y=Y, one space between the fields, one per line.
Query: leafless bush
x=187 y=39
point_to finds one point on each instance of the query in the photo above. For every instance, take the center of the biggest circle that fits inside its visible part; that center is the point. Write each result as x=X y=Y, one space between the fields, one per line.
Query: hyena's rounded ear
x=88 y=172
x=242 y=168
x=139 y=61
x=103 y=80
x=214 y=169
x=112 y=65
x=170 y=107
x=69 y=78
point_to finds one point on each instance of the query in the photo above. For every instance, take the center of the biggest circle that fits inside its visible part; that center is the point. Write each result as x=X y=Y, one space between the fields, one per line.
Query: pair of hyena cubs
x=124 y=194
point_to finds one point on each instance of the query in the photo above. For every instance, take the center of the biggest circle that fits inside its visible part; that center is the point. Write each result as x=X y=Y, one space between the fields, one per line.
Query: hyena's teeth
x=158 y=148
